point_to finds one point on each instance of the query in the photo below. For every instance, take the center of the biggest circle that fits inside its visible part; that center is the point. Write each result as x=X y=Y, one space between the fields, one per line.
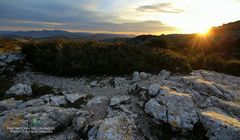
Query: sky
x=118 y=16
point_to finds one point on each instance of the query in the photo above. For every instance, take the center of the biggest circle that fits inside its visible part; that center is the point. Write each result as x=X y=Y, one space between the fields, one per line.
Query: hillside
x=60 y=33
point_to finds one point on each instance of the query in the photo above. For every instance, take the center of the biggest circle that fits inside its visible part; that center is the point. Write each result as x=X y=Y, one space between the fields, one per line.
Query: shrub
x=232 y=67
x=70 y=58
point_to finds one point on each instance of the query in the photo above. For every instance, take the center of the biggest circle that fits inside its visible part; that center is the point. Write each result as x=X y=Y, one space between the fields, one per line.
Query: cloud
x=161 y=7
x=131 y=27
x=127 y=27
x=79 y=15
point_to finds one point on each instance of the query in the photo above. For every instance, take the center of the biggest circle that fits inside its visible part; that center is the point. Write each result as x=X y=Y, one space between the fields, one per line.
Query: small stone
x=119 y=99
x=143 y=75
x=74 y=97
x=94 y=83
x=164 y=73
x=153 y=89
x=136 y=76
x=58 y=100
x=79 y=122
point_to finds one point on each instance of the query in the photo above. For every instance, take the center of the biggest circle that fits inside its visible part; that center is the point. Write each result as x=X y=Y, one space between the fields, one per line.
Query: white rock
x=119 y=99
x=144 y=75
x=136 y=76
x=75 y=96
x=94 y=83
x=153 y=90
x=31 y=103
x=117 y=128
x=79 y=123
x=164 y=73
x=9 y=104
x=97 y=100
x=118 y=82
x=98 y=106
x=174 y=108
x=220 y=126
x=20 y=89
x=58 y=100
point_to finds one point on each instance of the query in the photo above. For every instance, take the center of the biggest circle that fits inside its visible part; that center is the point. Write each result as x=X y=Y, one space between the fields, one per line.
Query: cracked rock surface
x=202 y=105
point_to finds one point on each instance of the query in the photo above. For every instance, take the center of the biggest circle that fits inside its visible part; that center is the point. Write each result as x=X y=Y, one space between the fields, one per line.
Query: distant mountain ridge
x=61 y=33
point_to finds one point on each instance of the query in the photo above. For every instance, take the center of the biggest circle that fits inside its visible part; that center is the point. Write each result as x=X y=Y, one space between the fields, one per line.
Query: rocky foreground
x=202 y=105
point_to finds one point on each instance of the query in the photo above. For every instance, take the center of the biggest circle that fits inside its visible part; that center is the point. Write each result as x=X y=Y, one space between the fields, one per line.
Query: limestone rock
x=31 y=103
x=119 y=99
x=220 y=125
x=98 y=106
x=164 y=73
x=118 y=82
x=75 y=96
x=154 y=90
x=20 y=89
x=144 y=75
x=136 y=76
x=9 y=104
x=37 y=116
x=174 y=108
x=58 y=100
x=117 y=128
x=94 y=84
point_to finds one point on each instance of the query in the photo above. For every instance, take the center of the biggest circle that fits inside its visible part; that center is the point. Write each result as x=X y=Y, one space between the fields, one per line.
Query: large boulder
x=38 y=117
x=58 y=100
x=211 y=88
x=174 y=108
x=20 y=89
x=31 y=103
x=9 y=104
x=220 y=126
x=98 y=106
x=119 y=127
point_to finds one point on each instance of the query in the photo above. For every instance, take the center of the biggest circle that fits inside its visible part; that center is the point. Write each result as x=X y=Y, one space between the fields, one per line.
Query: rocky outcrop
x=7 y=59
x=9 y=104
x=202 y=105
x=174 y=108
x=20 y=89
x=220 y=125
x=17 y=124
x=58 y=100
x=119 y=127
x=75 y=96
x=119 y=99
x=203 y=97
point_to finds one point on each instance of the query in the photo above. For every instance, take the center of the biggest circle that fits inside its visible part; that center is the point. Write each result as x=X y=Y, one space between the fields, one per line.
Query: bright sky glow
x=118 y=16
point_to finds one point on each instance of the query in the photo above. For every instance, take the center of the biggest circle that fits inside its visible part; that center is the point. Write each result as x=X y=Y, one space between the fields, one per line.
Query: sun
x=200 y=28
x=204 y=31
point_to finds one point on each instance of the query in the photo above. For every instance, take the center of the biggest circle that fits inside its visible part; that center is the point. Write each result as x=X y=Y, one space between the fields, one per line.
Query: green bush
x=232 y=67
x=70 y=58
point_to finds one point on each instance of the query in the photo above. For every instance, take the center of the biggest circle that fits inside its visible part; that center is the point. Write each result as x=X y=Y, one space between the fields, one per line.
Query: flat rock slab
x=174 y=108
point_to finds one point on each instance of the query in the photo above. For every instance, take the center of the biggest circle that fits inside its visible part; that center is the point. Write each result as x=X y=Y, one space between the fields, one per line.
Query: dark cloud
x=161 y=7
